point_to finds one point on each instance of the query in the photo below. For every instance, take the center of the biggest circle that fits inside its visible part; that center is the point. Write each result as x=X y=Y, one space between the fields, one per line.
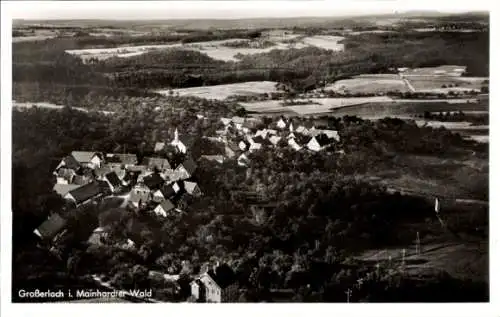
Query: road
x=46 y=105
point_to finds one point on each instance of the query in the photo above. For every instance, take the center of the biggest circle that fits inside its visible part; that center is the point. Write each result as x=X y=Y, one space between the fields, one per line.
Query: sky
x=143 y=10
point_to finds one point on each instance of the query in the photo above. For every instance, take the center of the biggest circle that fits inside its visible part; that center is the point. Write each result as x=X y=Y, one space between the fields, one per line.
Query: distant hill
x=251 y=23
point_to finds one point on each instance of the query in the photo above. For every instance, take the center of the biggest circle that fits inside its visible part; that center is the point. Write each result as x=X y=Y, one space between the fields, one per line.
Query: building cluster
x=241 y=136
x=149 y=184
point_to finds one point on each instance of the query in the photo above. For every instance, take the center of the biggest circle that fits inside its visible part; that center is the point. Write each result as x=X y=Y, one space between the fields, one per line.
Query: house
x=63 y=189
x=121 y=160
x=113 y=181
x=82 y=179
x=242 y=145
x=85 y=193
x=262 y=133
x=272 y=132
x=217 y=285
x=331 y=134
x=255 y=147
x=225 y=121
x=168 y=175
x=64 y=175
x=192 y=188
x=274 y=140
x=243 y=160
x=294 y=145
x=51 y=227
x=213 y=158
x=164 y=208
x=98 y=236
x=100 y=172
x=318 y=143
x=159 y=146
x=157 y=163
x=153 y=181
x=302 y=130
x=291 y=136
x=165 y=192
x=200 y=116
x=281 y=123
x=68 y=162
x=238 y=122
x=182 y=142
x=139 y=198
x=87 y=159
x=186 y=169
x=231 y=149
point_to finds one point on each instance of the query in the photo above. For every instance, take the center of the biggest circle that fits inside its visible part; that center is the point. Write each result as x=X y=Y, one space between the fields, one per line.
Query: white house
x=274 y=140
x=243 y=160
x=255 y=146
x=262 y=133
x=281 y=123
x=238 y=122
x=159 y=146
x=318 y=143
x=332 y=134
x=192 y=188
x=294 y=144
x=164 y=208
x=88 y=159
x=291 y=136
x=242 y=145
x=225 y=121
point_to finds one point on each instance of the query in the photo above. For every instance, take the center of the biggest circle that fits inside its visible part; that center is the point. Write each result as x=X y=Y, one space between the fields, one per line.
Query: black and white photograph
x=246 y=152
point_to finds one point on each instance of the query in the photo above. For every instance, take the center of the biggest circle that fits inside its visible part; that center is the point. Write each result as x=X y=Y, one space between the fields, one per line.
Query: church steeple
x=176 y=136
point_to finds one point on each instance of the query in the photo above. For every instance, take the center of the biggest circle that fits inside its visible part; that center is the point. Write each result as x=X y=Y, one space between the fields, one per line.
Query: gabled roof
x=226 y=121
x=233 y=146
x=137 y=168
x=167 y=191
x=153 y=181
x=63 y=189
x=52 y=226
x=71 y=162
x=238 y=120
x=223 y=275
x=274 y=139
x=81 y=179
x=323 y=140
x=190 y=186
x=101 y=171
x=189 y=166
x=157 y=162
x=121 y=158
x=136 y=197
x=113 y=179
x=159 y=146
x=332 y=134
x=258 y=139
x=86 y=192
x=65 y=173
x=83 y=156
x=166 y=205
x=212 y=158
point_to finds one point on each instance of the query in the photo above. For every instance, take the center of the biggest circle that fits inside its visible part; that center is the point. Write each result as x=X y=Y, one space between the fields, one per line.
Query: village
x=156 y=186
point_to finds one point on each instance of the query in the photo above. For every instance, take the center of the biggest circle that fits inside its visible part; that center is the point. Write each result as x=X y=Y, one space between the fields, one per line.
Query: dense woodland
x=289 y=221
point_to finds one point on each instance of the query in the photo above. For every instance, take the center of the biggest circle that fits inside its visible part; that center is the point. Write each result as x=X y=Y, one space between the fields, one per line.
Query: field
x=445 y=70
x=368 y=84
x=444 y=84
x=317 y=106
x=221 y=92
x=214 y=49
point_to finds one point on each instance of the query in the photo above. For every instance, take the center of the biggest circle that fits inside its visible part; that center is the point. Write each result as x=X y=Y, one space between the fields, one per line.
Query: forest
x=46 y=63
x=291 y=221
